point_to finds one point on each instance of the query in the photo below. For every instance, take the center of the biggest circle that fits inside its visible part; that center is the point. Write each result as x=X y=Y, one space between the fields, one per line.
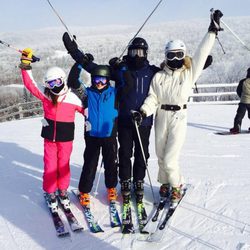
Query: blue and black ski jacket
x=102 y=105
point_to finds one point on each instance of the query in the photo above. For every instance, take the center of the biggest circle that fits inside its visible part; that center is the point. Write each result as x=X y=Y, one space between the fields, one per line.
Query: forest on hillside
x=109 y=41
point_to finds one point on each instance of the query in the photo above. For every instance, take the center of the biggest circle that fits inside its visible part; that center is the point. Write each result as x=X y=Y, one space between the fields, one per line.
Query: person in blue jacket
x=101 y=100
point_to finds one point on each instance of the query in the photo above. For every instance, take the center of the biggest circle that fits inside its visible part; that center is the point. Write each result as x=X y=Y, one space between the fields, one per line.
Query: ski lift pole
x=145 y=161
x=63 y=23
x=235 y=35
x=141 y=27
x=34 y=58
x=98 y=180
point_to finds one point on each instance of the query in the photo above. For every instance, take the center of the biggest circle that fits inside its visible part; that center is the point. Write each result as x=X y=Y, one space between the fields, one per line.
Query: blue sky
x=18 y=15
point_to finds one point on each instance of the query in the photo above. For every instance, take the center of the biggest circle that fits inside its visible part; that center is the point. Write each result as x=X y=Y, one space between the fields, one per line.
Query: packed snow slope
x=215 y=215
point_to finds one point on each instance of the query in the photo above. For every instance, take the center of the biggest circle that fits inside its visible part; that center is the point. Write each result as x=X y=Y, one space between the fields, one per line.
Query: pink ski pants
x=56 y=165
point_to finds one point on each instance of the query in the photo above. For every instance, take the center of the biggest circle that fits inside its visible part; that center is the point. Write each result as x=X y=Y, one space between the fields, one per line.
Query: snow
x=215 y=215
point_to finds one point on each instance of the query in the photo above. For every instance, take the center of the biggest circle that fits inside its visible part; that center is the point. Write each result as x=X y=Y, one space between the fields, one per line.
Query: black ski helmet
x=248 y=72
x=101 y=70
x=139 y=43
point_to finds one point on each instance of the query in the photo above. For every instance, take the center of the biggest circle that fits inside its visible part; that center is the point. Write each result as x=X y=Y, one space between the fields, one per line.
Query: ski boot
x=51 y=202
x=127 y=223
x=112 y=194
x=176 y=196
x=64 y=199
x=139 y=190
x=235 y=129
x=141 y=211
x=165 y=190
x=84 y=199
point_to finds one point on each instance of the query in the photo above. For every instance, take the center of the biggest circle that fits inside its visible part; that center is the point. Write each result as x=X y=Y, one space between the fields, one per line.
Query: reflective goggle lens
x=138 y=52
x=54 y=83
x=100 y=80
x=175 y=55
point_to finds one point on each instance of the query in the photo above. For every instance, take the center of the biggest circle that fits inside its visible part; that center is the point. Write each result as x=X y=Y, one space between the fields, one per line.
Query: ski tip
x=63 y=234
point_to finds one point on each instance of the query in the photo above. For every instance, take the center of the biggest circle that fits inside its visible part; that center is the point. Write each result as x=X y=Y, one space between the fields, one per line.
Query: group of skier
x=140 y=90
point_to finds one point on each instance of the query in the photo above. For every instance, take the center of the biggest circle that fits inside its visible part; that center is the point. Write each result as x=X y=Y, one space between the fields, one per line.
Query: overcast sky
x=18 y=15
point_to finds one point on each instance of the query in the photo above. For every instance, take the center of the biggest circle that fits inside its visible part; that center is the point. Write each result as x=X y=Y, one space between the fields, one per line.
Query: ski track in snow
x=215 y=214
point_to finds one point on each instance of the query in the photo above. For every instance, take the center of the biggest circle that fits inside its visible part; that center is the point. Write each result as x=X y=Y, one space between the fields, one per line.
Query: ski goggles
x=54 y=83
x=136 y=52
x=171 y=55
x=99 y=80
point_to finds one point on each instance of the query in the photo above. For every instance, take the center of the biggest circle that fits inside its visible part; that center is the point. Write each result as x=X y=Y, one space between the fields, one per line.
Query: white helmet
x=174 y=46
x=55 y=79
x=54 y=73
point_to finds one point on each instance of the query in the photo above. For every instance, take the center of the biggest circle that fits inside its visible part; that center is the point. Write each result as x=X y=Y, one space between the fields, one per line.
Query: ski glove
x=26 y=59
x=208 y=62
x=215 y=21
x=75 y=52
x=117 y=64
x=138 y=116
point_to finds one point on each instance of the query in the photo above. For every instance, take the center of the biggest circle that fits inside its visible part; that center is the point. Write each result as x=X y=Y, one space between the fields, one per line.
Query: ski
x=229 y=133
x=152 y=223
x=170 y=212
x=114 y=215
x=92 y=223
x=61 y=231
x=142 y=216
x=127 y=223
x=73 y=222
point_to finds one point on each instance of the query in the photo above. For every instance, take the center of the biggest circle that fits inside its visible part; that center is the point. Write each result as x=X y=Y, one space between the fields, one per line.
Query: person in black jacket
x=142 y=73
x=243 y=91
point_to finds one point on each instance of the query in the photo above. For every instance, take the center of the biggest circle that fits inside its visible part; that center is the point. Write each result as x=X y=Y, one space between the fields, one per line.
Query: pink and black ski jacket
x=59 y=125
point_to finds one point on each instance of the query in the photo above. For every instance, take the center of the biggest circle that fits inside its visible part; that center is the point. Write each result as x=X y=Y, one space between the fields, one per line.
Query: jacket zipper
x=54 y=135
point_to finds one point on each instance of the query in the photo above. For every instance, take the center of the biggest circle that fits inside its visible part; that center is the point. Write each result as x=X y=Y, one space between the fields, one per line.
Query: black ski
x=114 y=215
x=229 y=133
x=127 y=223
x=158 y=234
x=142 y=216
x=93 y=224
x=152 y=223
x=73 y=222
x=61 y=231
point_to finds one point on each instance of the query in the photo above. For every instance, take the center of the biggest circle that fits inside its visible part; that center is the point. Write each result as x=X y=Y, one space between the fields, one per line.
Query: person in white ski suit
x=167 y=98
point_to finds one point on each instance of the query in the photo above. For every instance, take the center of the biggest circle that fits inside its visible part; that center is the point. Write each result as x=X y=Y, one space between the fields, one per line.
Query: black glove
x=138 y=116
x=75 y=52
x=117 y=63
x=208 y=62
x=215 y=21
x=70 y=45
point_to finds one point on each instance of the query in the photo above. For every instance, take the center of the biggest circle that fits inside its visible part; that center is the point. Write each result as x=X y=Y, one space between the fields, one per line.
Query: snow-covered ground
x=214 y=216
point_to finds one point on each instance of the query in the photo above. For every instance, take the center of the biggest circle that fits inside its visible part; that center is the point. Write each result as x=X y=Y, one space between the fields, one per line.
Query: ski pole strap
x=173 y=107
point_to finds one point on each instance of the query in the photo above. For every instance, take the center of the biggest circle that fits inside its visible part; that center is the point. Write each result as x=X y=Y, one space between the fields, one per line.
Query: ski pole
x=34 y=58
x=63 y=23
x=140 y=28
x=98 y=180
x=144 y=158
x=236 y=36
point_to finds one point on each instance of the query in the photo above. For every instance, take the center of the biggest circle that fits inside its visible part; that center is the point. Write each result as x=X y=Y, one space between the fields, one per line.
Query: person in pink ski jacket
x=59 y=105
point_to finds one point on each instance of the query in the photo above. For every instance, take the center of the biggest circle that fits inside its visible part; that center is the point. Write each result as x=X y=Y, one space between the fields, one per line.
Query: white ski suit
x=173 y=88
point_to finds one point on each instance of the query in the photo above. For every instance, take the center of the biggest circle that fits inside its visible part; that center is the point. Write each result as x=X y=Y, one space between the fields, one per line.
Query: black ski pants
x=93 y=147
x=241 y=111
x=128 y=141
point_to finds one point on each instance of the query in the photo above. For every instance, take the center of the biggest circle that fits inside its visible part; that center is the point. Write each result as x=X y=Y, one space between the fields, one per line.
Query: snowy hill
x=214 y=216
x=105 y=42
